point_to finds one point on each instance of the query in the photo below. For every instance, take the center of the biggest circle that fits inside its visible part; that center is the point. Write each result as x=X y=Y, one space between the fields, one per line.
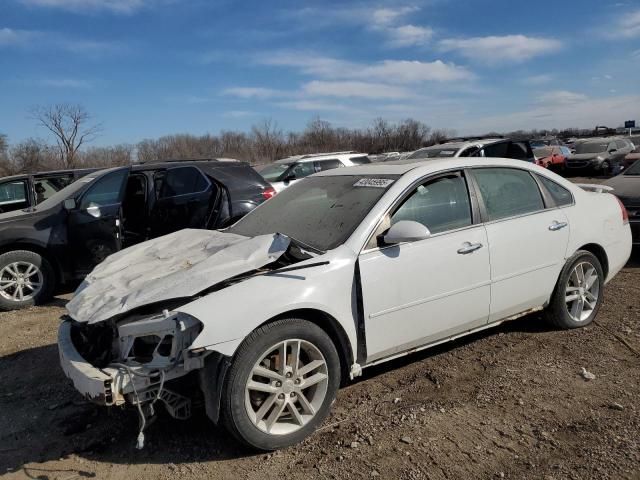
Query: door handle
x=557 y=225
x=468 y=247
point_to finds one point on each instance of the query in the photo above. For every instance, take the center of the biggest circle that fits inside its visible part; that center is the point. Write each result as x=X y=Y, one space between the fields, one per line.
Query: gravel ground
x=507 y=403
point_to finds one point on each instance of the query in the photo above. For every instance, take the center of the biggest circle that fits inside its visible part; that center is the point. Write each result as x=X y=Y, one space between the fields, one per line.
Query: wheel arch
x=600 y=254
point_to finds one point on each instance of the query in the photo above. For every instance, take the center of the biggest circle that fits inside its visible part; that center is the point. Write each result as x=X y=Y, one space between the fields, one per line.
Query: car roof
x=21 y=176
x=466 y=143
x=400 y=167
x=312 y=157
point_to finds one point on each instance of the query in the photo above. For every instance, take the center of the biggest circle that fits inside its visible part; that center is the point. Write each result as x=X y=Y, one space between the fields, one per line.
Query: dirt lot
x=507 y=403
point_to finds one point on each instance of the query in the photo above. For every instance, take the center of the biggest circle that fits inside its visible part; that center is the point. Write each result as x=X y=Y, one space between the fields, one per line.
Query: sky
x=147 y=68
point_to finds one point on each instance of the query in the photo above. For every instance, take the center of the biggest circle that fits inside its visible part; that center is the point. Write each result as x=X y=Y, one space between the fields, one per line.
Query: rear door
x=527 y=239
x=94 y=225
x=185 y=197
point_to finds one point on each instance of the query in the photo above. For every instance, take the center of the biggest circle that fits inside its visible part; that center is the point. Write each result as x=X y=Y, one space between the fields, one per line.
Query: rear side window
x=360 y=160
x=561 y=196
x=329 y=164
x=182 y=181
x=13 y=195
x=508 y=192
x=496 y=150
x=440 y=205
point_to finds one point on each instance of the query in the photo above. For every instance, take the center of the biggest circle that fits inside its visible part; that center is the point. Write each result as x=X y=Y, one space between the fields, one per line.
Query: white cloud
x=9 y=36
x=355 y=89
x=239 y=114
x=65 y=83
x=387 y=71
x=496 y=49
x=313 y=105
x=627 y=25
x=409 y=35
x=114 y=6
x=561 y=97
x=254 y=92
x=386 y=16
x=581 y=114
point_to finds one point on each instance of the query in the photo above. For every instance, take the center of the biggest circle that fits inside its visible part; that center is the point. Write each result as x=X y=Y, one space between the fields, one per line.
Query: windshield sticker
x=373 y=182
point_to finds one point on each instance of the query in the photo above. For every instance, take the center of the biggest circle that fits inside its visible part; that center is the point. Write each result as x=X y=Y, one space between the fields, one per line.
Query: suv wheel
x=26 y=279
x=605 y=168
x=281 y=384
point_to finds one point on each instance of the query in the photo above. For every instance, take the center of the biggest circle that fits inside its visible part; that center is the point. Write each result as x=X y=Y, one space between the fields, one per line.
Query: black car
x=23 y=191
x=64 y=237
x=626 y=187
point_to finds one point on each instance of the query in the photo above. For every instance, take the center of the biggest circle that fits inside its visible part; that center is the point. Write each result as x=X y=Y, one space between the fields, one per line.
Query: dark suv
x=23 y=191
x=64 y=237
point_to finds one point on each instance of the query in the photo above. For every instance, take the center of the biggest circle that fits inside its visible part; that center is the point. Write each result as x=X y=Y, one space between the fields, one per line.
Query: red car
x=552 y=157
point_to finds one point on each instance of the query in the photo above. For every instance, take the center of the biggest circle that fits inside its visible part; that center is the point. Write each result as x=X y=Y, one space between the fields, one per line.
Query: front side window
x=508 y=192
x=183 y=181
x=440 y=205
x=105 y=191
x=329 y=164
x=13 y=195
x=301 y=170
x=561 y=196
x=496 y=150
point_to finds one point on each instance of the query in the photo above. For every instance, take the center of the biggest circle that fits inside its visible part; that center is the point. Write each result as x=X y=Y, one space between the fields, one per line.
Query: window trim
x=483 y=208
x=476 y=219
x=183 y=194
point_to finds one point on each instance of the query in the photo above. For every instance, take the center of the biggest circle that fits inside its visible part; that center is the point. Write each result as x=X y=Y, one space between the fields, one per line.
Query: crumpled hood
x=177 y=265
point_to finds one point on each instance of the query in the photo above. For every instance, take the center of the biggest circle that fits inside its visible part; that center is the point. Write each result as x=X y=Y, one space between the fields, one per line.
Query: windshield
x=271 y=173
x=543 y=152
x=321 y=212
x=591 y=147
x=633 y=169
x=434 y=153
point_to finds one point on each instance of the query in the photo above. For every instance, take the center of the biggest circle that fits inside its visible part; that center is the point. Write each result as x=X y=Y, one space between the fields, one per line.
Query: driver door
x=420 y=292
x=94 y=226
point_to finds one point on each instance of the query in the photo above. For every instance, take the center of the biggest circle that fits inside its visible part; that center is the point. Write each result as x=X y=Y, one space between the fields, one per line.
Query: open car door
x=94 y=225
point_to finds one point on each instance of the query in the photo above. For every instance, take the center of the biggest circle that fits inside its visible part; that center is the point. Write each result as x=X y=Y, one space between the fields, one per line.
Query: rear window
x=360 y=160
x=182 y=181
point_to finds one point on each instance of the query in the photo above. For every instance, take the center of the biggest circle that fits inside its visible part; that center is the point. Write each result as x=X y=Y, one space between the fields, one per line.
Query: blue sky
x=146 y=68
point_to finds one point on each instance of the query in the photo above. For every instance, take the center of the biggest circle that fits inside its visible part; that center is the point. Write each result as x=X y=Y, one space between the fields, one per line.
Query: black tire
x=48 y=279
x=557 y=313
x=234 y=414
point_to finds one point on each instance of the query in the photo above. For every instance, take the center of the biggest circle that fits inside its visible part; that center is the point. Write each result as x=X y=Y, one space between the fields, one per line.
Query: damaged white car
x=346 y=269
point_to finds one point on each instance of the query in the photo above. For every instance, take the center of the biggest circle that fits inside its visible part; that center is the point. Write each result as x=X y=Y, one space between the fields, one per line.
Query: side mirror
x=94 y=211
x=406 y=231
x=69 y=204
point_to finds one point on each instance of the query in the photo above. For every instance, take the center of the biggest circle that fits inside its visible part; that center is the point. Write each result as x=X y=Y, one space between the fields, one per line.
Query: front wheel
x=282 y=382
x=579 y=292
x=26 y=279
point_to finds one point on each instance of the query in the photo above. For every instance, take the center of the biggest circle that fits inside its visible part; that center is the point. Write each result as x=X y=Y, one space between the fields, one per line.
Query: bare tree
x=69 y=125
x=33 y=155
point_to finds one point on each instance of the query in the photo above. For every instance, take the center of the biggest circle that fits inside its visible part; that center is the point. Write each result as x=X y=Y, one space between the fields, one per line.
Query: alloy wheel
x=20 y=281
x=286 y=387
x=582 y=291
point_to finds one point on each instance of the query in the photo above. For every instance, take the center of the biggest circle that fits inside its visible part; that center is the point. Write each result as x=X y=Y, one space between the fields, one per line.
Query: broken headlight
x=157 y=342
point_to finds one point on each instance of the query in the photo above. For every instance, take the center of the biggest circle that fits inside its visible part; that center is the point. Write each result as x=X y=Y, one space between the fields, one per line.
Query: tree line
x=72 y=128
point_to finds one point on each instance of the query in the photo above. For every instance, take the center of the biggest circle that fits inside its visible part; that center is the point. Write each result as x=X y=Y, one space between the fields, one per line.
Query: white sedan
x=346 y=269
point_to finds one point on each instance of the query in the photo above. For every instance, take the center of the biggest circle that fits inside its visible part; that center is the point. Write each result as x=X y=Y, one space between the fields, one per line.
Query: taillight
x=268 y=192
x=625 y=214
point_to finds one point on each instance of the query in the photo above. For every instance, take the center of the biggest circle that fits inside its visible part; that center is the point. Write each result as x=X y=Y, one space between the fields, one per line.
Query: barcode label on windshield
x=373 y=182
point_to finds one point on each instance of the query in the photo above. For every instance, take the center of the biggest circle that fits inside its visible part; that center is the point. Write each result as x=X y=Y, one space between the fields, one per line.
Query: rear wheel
x=579 y=292
x=605 y=168
x=281 y=384
x=26 y=279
